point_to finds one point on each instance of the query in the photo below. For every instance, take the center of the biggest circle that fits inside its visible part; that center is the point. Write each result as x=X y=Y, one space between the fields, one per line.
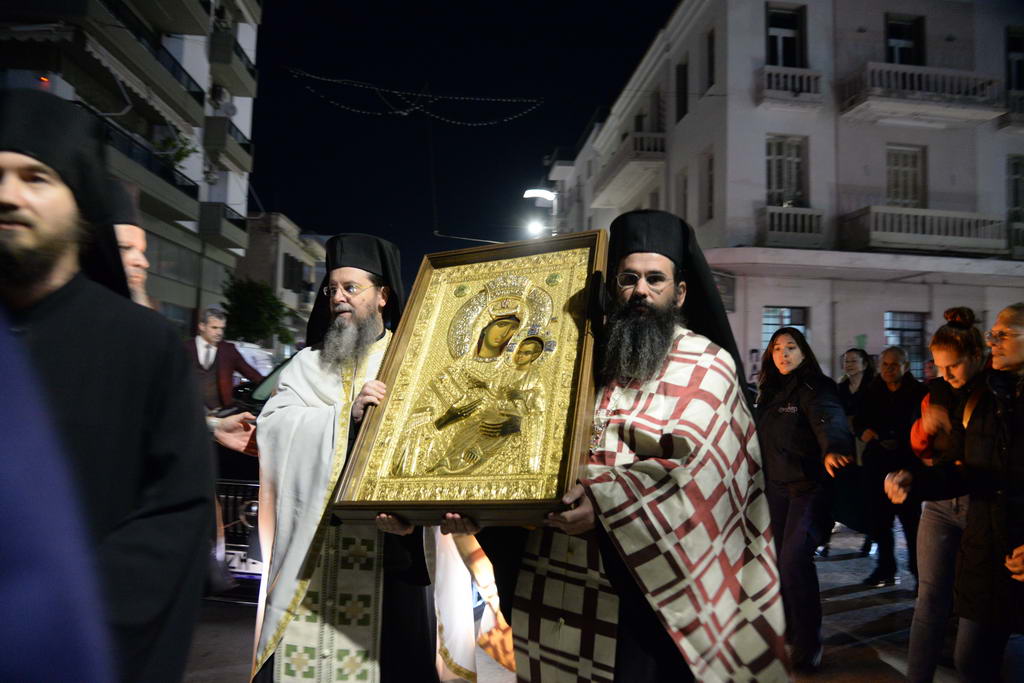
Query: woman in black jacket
x=804 y=436
x=986 y=461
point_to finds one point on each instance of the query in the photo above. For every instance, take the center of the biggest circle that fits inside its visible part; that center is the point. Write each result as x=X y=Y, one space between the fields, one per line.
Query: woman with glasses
x=985 y=460
x=804 y=436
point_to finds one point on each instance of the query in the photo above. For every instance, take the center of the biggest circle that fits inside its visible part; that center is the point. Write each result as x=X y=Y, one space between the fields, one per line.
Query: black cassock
x=123 y=399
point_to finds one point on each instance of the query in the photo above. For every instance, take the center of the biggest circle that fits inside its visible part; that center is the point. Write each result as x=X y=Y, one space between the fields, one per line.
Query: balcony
x=190 y=17
x=791 y=227
x=895 y=228
x=781 y=87
x=165 y=191
x=230 y=66
x=222 y=138
x=639 y=157
x=1013 y=120
x=253 y=7
x=133 y=53
x=897 y=94
x=222 y=226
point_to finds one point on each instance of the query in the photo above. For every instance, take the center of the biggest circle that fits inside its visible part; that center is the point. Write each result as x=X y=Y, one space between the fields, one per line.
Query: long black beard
x=20 y=267
x=638 y=337
x=347 y=340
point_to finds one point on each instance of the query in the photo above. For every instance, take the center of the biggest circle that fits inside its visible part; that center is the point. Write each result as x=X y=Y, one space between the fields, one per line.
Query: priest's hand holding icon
x=577 y=520
x=454 y=523
x=393 y=524
x=371 y=394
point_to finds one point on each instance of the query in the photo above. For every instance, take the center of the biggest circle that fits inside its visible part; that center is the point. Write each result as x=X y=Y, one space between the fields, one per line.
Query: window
x=179 y=315
x=215 y=275
x=590 y=168
x=786 y=38
x=291 y=274
x=786 y=177
x=774 y=317
x=1015 y=188
x=707 y=200
x=657 y=112
x=683 y=207
x=709 y=60
x=906 y=330
x=905 y=176
x=1015 y=58
x=682 y=90
x=172 y=261
x=654 y=200
x=638 y=122
x=904 y=40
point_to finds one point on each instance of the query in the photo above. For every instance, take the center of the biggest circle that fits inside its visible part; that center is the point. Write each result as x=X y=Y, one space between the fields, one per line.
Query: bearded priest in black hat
x=118 y=388
x=343 y=601
x=663 y=569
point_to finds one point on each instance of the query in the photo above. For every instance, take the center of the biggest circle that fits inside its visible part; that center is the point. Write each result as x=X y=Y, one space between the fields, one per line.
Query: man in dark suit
x=215 y=361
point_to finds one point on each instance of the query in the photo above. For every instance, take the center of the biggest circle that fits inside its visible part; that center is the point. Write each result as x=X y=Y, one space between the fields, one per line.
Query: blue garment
x=54 y=630
x=938 y=542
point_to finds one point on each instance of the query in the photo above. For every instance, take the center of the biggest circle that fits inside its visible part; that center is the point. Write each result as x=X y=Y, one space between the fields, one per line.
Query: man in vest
x=215 y=361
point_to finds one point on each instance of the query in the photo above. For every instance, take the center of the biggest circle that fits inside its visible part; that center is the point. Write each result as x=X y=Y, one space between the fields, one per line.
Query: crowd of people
x=684 y=551
x=945 y=458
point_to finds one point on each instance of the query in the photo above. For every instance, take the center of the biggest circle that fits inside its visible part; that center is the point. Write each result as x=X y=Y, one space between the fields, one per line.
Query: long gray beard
x=344 y=341
x=638 y=340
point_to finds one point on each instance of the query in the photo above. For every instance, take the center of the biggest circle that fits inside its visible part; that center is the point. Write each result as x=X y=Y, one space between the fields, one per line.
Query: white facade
x=174 y=83
x=847 y=158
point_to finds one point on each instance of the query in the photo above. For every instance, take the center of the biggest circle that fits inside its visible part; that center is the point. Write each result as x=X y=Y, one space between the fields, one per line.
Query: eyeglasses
x=350 y=290
x=656 y=281
x=997 y=338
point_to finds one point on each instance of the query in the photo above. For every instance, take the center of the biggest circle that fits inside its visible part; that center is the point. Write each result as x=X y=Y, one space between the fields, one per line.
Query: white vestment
x=302 y=434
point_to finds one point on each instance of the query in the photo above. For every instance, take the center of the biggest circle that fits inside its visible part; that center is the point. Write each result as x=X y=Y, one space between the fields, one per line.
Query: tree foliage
x=255 y=314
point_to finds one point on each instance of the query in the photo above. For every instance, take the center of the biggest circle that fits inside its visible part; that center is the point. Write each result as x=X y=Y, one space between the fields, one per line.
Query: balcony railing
x=239 y=137
x=637 y=153
x=1016 y=231
x=151 y=41
x=1014 y=115
x=788 y=85
x=149 y=160
x=249 y=66
x=923 y=83
x=788 y=226
x=890 y=227
x=236 y=219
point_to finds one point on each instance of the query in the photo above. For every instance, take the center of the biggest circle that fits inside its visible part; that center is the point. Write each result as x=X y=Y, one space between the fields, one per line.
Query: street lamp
x=535 y=228
x=547 y=195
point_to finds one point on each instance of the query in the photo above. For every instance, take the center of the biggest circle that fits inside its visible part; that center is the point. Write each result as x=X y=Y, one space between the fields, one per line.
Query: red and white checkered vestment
x=676 y=481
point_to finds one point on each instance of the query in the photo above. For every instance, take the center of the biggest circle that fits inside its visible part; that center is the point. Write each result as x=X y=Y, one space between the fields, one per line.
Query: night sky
x=332 y=170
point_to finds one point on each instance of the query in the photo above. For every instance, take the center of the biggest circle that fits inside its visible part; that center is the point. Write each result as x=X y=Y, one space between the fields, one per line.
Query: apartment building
x=851 y=167
x=292 y=263
x=174 y=82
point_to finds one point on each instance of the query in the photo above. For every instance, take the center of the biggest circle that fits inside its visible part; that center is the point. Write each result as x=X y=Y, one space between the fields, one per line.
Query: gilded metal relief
x=479 y=407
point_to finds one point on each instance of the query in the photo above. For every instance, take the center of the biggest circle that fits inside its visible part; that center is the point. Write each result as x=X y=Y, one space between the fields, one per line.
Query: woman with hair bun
x=959 y=354
x=983 y=457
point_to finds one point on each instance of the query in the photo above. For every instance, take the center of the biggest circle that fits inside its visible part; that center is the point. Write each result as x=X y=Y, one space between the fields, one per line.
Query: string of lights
x=406 y=93
x=422 y=101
